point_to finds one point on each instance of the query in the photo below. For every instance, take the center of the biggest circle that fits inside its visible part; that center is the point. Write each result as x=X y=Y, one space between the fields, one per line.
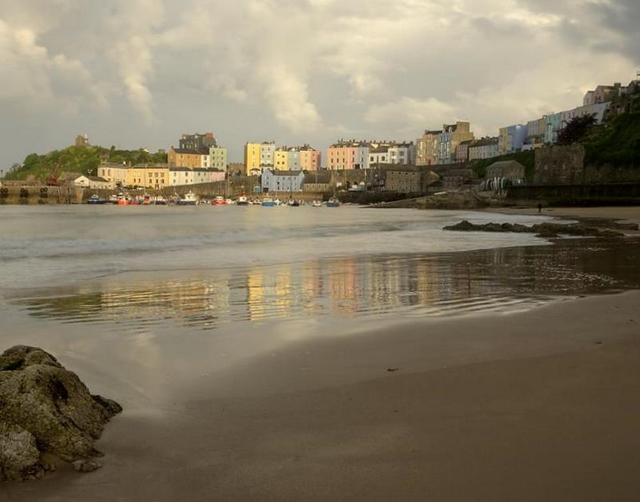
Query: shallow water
x=139 y=267
x=133 y=285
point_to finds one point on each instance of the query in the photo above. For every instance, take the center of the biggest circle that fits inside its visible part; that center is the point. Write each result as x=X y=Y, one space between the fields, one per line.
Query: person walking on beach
x=539 y=207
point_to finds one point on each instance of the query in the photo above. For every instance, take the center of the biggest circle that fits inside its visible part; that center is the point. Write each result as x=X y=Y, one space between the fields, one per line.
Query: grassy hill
x=78 y=159
x=617 y=143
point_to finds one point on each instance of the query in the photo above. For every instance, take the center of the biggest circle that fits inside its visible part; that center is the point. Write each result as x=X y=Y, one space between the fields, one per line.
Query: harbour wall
x=597 y=194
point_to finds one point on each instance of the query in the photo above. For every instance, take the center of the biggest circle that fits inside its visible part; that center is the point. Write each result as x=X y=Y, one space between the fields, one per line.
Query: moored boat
x=332 y=202
x=218 y=201
x=268 y=202
x=95 y=199
x=188 y=199
x=242 y=201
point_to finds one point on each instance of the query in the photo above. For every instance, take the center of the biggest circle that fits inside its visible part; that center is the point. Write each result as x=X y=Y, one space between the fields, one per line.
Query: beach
x=527 y=404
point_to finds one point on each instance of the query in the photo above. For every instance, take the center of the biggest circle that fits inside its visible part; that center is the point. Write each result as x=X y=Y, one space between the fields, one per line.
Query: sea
x=159 y=292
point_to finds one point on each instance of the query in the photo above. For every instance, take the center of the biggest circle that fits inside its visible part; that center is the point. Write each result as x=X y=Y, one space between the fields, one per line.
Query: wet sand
x=540 y=405
x=536 y=405
x=624 y=214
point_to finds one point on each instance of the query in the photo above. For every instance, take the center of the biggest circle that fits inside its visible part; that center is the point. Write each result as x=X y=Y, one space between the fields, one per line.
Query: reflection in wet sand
x=414 y=285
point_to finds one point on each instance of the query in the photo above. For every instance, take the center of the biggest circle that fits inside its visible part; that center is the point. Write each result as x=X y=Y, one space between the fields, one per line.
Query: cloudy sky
x=139 y=73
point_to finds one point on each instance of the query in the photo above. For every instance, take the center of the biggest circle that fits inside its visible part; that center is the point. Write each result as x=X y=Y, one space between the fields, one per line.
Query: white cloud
x=409 y=115
x=308 y=69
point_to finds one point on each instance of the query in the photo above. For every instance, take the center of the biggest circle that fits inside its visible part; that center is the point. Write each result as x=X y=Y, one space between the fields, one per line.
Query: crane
x=52 y=180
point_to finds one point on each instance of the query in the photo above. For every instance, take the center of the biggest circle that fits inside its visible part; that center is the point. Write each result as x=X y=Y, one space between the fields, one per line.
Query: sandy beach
x=623 y=214
x=534 y=405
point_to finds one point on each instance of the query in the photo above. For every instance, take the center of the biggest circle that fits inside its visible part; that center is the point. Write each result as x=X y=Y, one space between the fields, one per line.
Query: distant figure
x=539 y=207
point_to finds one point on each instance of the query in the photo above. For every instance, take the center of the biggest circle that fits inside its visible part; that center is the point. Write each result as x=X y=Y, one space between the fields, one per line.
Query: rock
x=546 y=230
x=45 y=405
x=463 y=226
x=85 y=465
x=19 y=456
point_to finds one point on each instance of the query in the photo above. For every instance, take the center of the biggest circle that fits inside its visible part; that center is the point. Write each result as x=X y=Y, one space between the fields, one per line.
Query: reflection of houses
x=282 y=181
x=95 y=182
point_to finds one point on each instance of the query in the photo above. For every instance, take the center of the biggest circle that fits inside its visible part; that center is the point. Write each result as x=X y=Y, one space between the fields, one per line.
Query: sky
x=140 y=73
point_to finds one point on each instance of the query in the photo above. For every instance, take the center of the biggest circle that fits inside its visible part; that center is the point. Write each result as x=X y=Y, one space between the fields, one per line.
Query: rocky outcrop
x=466 y=199
x=44 y=408
x=541 y=229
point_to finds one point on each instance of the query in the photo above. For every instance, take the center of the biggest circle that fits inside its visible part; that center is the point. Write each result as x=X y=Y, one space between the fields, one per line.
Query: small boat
x=332 y=202
x=95 y=199
x=293 y=203
x=160 y=200
x=316 y=203
x=189 y=199
x=242 y=201
x=113 y=199
x=268 y=202
x=218 y=201
x=146 y=200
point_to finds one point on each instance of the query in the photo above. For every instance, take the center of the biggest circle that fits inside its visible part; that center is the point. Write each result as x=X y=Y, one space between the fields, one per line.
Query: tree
x=576 y=130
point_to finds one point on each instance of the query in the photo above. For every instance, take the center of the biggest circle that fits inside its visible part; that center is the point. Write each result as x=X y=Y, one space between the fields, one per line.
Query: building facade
x=511 y=138
x=258 y=157
x=179 y=157
x=483 y=148
x=282 y=181
x=403 y=179
x=310 y=158
x=197 y=141
x=449 y=139
x=427 y=149
x=348 y=155
x=217 y=158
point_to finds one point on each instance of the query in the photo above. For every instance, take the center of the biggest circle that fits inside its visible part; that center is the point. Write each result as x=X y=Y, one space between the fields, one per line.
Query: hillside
x=617 y=143
x=78 y=159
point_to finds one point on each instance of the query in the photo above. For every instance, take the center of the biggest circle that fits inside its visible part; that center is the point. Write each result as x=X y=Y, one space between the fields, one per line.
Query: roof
x=97 y=179
x=185 y=151
x=503 y=164
x=275 y=172
x=484 y=142
x=323 y=177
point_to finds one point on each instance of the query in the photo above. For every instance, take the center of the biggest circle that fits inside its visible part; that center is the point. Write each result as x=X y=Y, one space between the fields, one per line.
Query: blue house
x=282 y=181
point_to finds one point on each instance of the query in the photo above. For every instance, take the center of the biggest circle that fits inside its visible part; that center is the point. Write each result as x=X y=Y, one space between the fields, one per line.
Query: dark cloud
x=136 y=73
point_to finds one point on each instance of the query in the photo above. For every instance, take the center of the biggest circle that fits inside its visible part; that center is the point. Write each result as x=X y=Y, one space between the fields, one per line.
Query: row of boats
x=191 y=199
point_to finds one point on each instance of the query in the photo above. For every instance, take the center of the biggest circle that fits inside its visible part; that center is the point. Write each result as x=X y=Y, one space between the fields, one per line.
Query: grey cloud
x=141 y=72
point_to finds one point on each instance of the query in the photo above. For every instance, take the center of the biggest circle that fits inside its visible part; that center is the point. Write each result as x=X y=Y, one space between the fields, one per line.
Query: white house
x=95 y=182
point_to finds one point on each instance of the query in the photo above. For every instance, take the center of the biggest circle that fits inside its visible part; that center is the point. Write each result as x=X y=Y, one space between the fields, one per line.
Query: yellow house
x=281 y=160
x=251 y=157
x=185 y=158
x=115 y=174
x=155 y=177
